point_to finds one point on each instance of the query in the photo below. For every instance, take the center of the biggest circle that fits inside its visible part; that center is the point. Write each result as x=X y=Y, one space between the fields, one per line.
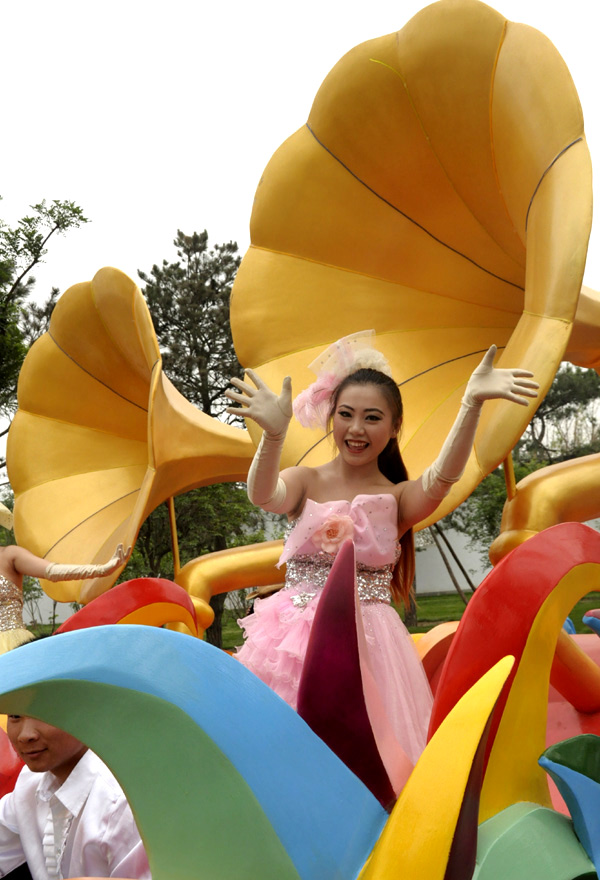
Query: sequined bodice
x=11 y=605
x=315 y=537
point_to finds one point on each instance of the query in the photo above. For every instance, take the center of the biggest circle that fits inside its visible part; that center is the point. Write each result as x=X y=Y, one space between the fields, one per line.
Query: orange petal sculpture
x=144 y=601
x=101 y=436
x=440 y=193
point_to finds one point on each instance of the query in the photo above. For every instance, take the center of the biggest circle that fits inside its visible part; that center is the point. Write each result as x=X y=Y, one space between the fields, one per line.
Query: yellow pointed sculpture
x=440 y=193
x=417 y=839
x=101 y=436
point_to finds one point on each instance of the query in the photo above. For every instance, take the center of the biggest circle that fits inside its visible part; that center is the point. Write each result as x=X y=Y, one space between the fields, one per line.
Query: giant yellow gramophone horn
x=440 y=193
x=101 y=436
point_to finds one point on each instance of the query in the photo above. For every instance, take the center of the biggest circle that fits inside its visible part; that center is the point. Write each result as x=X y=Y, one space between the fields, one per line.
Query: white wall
x=432 y=575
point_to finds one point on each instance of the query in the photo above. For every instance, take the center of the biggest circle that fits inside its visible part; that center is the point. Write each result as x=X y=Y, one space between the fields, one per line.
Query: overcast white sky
x=158 y=116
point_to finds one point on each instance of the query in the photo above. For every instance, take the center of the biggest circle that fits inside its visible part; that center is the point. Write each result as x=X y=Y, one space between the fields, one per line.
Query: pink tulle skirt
x=277 y=637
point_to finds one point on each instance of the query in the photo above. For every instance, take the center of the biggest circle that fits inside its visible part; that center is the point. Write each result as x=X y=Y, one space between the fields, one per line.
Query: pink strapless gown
x=277 y=632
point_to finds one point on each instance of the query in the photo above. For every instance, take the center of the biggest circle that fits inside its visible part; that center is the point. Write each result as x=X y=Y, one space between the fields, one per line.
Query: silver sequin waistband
x=11 y=605
x=313 y=570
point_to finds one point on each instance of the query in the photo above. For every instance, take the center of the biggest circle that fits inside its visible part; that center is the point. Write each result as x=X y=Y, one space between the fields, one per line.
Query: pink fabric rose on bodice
x=334 y=531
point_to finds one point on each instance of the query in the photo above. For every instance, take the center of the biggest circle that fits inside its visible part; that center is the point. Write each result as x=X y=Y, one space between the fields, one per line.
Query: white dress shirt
x=82 y=828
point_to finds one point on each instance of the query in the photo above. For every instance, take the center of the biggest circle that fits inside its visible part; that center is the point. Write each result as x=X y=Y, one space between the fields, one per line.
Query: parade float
x=440 y=192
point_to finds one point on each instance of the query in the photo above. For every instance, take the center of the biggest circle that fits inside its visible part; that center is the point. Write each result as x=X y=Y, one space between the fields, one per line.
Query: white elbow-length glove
x=273 y=415
x=486 y=383
x=56 y=571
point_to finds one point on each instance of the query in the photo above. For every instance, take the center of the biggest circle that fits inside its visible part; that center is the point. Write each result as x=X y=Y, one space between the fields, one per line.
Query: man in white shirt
x=67 y=816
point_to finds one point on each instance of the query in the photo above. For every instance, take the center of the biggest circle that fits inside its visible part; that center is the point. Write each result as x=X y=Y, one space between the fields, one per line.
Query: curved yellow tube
x=252 y=565
x=565 y=492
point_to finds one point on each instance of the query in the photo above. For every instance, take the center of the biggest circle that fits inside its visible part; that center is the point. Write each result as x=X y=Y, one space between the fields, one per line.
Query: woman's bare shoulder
x=304 y=482
x=7 y=553
x=299 y=475
x=7 y=561
x=398 y=490
x=413 y=504
x=297 y=481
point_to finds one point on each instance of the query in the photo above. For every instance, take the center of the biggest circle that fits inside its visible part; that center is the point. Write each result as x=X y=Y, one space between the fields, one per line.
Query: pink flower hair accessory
x=331 y=535
x=311 y=407
x=348 y=354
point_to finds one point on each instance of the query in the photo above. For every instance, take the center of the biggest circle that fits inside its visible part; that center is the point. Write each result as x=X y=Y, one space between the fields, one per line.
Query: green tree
x=189 y=303
x=208 y=519
x=480 y=515
x=566 y=422
x=22 y=247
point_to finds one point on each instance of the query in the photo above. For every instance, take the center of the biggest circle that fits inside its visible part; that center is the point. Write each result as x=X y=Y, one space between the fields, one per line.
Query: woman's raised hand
x=270 y=412
x=121 y=556
x=487 y=383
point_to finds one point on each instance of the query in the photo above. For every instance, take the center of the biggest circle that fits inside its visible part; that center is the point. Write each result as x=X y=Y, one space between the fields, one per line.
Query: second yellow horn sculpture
x=101 y=436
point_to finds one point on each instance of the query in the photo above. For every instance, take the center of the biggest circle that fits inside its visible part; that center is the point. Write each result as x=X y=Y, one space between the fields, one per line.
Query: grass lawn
x=431 y=610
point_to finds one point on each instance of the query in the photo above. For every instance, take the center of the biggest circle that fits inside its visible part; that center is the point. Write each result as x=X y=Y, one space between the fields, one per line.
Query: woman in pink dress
x=364 y=494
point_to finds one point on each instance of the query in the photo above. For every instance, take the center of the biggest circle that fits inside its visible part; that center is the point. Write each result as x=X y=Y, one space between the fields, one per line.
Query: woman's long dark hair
x=392 y=466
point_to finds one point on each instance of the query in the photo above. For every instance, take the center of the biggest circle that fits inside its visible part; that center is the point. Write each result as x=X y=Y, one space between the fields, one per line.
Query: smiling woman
x=362 y=423
x=362 y=494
